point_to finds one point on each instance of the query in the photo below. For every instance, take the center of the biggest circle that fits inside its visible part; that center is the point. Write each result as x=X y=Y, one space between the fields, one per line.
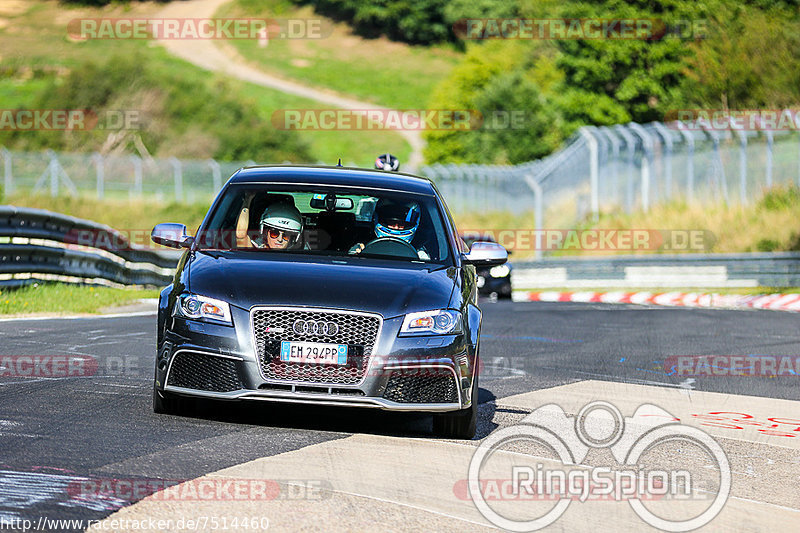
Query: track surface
x=55 y=433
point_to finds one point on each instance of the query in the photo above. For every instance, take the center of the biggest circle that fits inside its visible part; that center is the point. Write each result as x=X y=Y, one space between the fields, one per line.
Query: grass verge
x=769 y=224
x=65 y=298
x=399 y=75
x=124 y=215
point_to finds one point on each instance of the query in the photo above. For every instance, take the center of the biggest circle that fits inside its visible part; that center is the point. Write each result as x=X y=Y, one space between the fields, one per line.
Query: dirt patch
x=12 y=8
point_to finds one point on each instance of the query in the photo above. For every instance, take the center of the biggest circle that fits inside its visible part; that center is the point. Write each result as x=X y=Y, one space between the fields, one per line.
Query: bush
x=177 y=116
x=411 y=21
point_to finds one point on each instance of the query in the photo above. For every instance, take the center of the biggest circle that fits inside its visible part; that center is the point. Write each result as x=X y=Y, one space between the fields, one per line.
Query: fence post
x=742 y=163
x=538 y=204
x=8 y=178
x=768 y=170
x=689 y=138
x=137 y=175
x=594 y=171
x=216 y=175
x=177 y=174
x=52 y=168
x=100 y=172
x=666 y=137
x=647 y=162
x=614 y=141
x=630 y=144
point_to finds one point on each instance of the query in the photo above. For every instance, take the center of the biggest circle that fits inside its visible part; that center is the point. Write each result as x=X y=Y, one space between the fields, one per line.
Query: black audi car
x=328 y=286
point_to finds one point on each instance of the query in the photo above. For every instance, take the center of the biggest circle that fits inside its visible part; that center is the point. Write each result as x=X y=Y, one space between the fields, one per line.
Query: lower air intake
x=204 y=372
x=421 y=389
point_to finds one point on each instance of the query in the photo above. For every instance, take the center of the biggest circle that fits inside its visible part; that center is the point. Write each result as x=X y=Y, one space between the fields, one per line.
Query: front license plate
x=314 y=352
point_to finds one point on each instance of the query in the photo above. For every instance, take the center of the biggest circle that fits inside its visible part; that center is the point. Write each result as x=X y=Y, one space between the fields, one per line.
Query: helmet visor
x=396 y=217
x=279 y=235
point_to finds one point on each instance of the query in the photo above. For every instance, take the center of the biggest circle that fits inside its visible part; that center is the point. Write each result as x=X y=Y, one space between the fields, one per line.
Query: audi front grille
x=271 y=326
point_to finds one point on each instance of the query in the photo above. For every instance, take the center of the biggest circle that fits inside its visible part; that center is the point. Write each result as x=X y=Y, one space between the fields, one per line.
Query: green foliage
x=780 y=198
x=742 y=55
x=175 y=115
x=749 y=61
x=411 y=21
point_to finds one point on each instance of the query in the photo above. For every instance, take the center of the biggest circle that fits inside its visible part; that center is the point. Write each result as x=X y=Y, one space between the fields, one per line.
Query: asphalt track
x=59 y=434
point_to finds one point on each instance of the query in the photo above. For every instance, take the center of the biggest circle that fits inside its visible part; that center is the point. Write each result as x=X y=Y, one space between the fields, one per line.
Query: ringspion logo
x=521 y=487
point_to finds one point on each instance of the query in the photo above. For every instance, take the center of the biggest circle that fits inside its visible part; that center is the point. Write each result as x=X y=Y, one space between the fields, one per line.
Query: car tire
x=165 y=404
x=459 y=424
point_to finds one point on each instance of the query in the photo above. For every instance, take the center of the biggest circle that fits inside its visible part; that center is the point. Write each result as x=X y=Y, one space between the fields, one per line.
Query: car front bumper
x=419 y=373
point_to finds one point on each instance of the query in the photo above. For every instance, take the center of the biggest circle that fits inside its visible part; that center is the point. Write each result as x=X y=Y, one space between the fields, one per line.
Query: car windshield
x=328 y=221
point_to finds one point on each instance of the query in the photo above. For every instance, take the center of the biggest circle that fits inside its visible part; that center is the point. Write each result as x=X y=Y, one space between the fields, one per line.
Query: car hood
x=245 y=279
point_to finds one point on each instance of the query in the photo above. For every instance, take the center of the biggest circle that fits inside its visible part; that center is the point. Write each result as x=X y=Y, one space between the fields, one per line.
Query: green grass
x=373 y=70
x=36 y=42
x=122 y=214
x=66 y=298
x=15 y=94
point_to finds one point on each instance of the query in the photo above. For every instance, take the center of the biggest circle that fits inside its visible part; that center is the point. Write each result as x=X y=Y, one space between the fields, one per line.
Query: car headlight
x=438 y=322
x=500 y=271
x=202 y=307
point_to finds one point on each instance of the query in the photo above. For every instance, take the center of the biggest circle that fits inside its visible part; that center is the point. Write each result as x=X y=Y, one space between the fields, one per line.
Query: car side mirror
x=486 y=254
x=172 y=235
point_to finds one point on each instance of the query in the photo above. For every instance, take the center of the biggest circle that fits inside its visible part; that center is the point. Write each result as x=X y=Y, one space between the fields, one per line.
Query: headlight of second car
x=499 y=271
x=199 y=307
x=438 y=322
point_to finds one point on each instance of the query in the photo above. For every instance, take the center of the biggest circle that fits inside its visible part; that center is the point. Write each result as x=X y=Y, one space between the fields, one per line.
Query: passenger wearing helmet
x=280 y=227
x=387 y=162
x=398 y=220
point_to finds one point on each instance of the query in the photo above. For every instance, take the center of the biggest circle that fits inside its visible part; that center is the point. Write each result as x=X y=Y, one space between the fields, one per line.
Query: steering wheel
x=390 y=246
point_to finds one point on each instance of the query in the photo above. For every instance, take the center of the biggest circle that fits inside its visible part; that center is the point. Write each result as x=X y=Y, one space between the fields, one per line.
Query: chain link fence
x=625 y=167
x=630 y=167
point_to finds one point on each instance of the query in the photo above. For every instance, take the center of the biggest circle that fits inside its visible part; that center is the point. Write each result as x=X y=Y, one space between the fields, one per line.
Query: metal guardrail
x=661 y=271
x=38 y=245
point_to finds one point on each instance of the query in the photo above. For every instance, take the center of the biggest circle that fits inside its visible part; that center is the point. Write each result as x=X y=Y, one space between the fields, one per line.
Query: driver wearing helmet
x=280 y=227
x=387 y=162
x=396 y=220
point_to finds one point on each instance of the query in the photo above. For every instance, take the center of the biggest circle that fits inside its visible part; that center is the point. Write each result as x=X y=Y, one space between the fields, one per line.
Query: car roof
x=342 y=176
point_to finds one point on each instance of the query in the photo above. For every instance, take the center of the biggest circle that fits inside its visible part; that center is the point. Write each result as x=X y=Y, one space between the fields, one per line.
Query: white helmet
x=282 y=217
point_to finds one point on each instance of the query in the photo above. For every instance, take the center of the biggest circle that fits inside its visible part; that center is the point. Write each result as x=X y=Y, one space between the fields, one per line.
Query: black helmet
x=387 y=162
x=396 y=220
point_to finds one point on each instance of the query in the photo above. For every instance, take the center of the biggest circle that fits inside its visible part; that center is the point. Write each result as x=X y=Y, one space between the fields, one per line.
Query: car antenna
x=339 y=163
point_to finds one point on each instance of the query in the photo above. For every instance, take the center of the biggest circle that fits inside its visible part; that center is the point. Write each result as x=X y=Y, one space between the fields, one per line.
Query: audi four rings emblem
x=315 y=327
